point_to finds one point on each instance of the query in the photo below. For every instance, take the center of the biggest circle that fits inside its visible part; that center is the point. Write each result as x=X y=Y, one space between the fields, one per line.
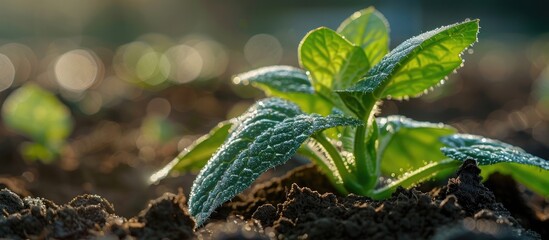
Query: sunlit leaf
x=267 y=135
x=289 y=83
x=414 y=66
x=529 y=170
x=194 y=157
x=368 y=29
x=405 y=144
x=532 y=177
x=333 y=62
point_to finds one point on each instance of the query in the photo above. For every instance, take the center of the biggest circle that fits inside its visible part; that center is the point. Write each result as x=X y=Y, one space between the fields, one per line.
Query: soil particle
x=470 y=193
x=309 y=214
x=479 y=202
x=165 y=218
x=464 y=208
x=235 y=227
x=9 y=202
x=516 y=201
x=273 y=192
x=91 y=216
x=39 y=218
x=92 y=200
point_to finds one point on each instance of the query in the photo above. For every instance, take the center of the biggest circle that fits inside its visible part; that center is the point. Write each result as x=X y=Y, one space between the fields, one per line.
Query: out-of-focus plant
x=39 y=115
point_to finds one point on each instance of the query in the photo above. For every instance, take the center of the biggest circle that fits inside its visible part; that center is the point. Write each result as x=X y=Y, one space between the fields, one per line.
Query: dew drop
x=393 y=175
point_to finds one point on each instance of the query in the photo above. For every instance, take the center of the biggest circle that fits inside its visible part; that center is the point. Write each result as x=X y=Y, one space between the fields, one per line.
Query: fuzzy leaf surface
x=527 y=169
x=406 y=144
x=194 y=157
x=368 y=29
x=289 y=83
x=414 y=66
x=267 y=135
x=333 y=62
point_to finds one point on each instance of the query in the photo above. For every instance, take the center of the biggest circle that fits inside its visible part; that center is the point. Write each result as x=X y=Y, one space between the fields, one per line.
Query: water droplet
x=393 y=174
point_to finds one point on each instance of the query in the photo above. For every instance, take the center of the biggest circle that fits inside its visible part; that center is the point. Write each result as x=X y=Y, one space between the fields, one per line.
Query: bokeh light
x=77 y=70
x=186 y=63
x=159 y=107
x=152 y=68
x=263 y=50
x=7 y=72
x=214 y=56
x=23 y=59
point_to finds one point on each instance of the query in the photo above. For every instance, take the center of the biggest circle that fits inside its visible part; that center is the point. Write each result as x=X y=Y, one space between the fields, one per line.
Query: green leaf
x=413 y=67
x=368 y=29
x=289 y=83
x=194 y=157
x=405 y=144
x=333 y=62
x=487 y=151
x=530 y=176
x=267 y=135
x=38 y=114
x=525 y=168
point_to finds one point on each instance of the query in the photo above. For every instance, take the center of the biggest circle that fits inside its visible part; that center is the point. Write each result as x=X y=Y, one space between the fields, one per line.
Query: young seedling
x=326 y=112
x=39 y=115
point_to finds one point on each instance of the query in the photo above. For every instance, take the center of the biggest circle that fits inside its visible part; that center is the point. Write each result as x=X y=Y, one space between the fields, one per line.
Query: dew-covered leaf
x=333 y=62
x=493 y=155
x=280 y=78
x=415 y=65
x=267 y=135
x=194 y=157
x=405 y=144
x=368 y=29
x=289 y=83
x=487 y=151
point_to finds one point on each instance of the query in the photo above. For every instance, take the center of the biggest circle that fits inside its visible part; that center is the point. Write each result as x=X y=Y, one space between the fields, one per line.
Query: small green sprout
x=38 y=114
x=326 y=112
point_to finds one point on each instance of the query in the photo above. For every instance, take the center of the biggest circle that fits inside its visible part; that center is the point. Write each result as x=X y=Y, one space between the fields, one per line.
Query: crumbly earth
x=90 y=216
x=463 y=208
x=279 y=209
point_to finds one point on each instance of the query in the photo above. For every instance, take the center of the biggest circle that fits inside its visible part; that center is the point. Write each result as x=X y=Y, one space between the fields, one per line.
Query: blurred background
x=97 y=95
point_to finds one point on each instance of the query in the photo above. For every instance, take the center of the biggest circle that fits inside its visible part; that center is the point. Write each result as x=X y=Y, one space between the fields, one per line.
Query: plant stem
x=348 y=180
x=414 y=177
x=365 y=155
x=320 y=162
x=361 y=159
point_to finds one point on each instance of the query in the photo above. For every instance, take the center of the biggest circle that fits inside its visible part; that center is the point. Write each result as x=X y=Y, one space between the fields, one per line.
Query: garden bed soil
x=300 y=205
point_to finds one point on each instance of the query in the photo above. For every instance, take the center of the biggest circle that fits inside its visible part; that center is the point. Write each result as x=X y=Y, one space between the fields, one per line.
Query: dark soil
x=463 y=208
x=281 y=209
x=90 y=216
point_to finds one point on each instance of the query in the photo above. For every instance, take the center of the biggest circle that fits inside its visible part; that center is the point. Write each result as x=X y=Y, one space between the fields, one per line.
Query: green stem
x=365 y=155
x=348 y=180
x=415 y=177
x=362 y=164
x=320 y=162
